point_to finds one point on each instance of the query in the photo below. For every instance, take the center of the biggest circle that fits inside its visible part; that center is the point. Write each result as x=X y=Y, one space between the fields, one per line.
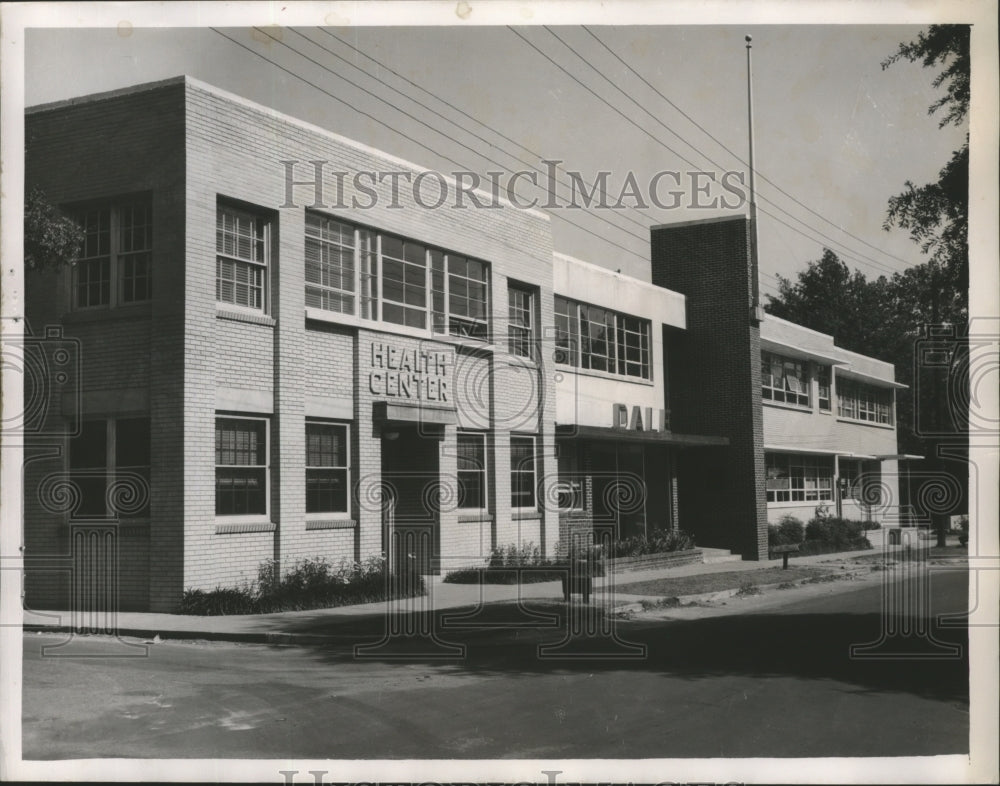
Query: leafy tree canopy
x=50 y=238
x=936 y=214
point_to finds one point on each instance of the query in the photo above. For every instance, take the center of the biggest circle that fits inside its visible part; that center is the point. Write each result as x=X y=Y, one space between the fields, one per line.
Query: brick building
x=274 y=366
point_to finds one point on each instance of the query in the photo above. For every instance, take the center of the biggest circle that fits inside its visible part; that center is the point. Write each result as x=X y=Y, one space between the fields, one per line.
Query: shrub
x=827 y=534
x=308 y=584
x=514 y=556
x=659 y=541
x=787 y=531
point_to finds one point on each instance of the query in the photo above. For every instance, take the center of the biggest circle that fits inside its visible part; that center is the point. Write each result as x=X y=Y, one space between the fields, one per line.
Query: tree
x=936 y=216
x=51 y=240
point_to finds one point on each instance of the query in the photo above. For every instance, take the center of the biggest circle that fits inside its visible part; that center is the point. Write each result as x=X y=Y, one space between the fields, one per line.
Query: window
x=850 y=474
x=381 y=277
x=404 y=282
x=860 y=480
x=522 y=472
x=797 y=478
x=114 y=266
x=520 y=318
x=330 y=254
x=471 y=470
x=327 y=479
x=241 y=245
x=858 y=401
x=570 y=480
x=601 y=340
x=784 y=379
x=823 y=384
x=567 y=332
x=467 y=288
x=240 y=466
x=633 y=347
x=109 y=464
x=597 y=345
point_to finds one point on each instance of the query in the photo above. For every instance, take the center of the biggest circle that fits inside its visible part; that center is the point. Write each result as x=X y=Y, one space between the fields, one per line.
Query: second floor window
x=599 y=339
x=399 y=281
x=115 y=263
x=823 y=388
x=330 y=254
x=520 y=311
x=241 y=246
x=858 y=401
x=784 y=379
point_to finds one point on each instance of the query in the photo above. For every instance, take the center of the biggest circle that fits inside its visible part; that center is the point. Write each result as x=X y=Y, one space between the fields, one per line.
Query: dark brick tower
x=714 y=373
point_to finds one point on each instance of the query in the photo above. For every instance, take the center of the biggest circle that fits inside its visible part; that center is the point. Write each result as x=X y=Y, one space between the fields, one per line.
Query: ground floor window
x=795 y=477
x=570 y=477
x=522 y=472
x=327 y=467
x=471 y=470
x=241 y=467
x=109 y=464
x=859 y=480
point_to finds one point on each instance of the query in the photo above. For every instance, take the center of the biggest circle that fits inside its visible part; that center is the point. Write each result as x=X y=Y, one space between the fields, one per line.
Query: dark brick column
x=714 y=373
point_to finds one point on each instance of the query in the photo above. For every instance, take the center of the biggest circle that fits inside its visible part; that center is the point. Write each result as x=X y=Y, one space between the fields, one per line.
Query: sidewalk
x=317 y=626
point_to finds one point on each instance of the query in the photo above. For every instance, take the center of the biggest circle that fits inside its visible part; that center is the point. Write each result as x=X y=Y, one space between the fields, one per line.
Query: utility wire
x=534 y=167
x=737 y=157
x=411 y=139
x=875 y=263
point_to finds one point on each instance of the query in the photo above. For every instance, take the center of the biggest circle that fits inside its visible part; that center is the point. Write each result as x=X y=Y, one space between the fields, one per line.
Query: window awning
x=899 y=457
x=652 y=437
x=851 y=373
x=412 y=412
x=819 y=451
x=789 y=350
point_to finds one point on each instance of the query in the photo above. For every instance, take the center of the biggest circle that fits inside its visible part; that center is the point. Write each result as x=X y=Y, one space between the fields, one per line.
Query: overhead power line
x=736 y=156
x=404 y=135
x=874 y=263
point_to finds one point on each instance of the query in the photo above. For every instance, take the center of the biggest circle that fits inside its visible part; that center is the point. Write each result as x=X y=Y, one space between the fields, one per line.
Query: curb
x=708 y=597
x=312 y=639
x=149 y=635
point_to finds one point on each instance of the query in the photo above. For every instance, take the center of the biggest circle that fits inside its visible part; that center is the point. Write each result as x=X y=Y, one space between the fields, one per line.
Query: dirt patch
x=716 y=582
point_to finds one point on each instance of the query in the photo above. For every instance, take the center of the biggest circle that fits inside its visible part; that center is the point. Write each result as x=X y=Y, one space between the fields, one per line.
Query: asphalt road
x=768 y=676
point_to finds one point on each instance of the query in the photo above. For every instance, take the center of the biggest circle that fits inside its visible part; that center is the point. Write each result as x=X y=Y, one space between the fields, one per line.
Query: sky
x=835 y=134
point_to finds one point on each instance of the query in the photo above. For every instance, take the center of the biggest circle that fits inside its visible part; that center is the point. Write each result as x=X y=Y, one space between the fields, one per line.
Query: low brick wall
x=669 y=559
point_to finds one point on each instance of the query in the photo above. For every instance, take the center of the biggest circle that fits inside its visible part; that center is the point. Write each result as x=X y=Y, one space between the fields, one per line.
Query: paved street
x=761 y=676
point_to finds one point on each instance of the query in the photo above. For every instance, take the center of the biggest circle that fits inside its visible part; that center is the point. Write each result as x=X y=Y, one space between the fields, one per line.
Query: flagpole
x=756 y=312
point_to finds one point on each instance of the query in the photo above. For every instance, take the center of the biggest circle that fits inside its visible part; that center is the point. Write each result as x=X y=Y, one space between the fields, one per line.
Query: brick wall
x=95 y=151
x=714 y=382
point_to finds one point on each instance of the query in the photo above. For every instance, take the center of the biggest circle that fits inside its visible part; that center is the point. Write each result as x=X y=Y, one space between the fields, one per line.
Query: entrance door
x=411 y=523
x=619 y=488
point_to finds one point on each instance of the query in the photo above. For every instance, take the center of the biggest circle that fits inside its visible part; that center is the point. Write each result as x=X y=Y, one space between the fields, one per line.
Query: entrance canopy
x=629 y=435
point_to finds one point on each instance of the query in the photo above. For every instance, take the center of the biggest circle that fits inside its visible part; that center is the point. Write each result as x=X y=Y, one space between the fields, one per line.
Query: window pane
x=89 y=449
x=132 y=442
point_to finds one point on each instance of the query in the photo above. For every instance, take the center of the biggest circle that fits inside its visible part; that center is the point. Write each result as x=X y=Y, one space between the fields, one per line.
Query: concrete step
x=712 y=556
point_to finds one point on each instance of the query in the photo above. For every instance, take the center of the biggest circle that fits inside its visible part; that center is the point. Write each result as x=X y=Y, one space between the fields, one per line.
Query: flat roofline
x=104 y=95
x=693 y=221
x=851 y=373
x=630 y=279
x=190 y=81
x=797 y=326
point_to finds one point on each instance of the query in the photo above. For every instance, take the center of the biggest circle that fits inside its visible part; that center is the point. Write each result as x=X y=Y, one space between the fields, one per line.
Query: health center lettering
x=418 y=374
